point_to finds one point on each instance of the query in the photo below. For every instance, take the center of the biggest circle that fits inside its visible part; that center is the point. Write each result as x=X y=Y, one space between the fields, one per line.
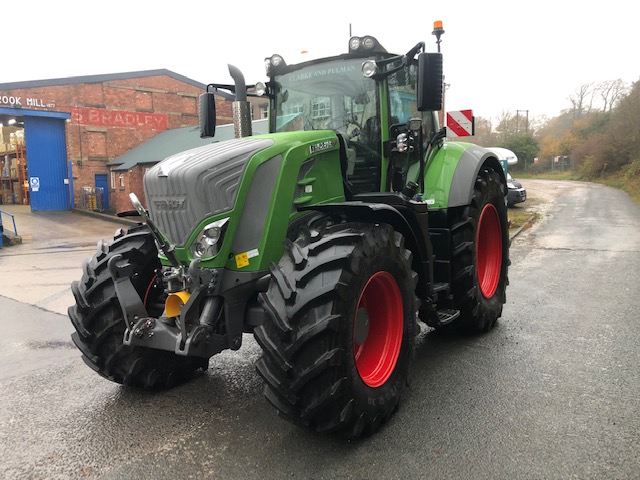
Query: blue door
x=47 y=163
x=101 y=182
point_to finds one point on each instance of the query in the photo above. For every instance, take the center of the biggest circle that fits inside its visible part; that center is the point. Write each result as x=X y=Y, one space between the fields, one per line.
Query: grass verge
x=523 y=215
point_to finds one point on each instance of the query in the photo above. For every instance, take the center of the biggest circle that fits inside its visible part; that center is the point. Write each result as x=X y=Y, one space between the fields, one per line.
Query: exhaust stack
x=241 y=108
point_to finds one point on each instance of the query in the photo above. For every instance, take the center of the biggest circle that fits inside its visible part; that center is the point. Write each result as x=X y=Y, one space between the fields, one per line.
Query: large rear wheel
x=99 y=321
x=340 y=332
x=480 y=246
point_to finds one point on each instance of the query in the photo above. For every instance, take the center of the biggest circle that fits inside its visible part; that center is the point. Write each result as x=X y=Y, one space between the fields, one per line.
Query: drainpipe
x=241 y=108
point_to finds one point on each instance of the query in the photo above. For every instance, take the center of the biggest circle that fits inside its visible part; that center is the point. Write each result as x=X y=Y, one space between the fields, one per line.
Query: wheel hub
x=361 y=327
x=377 y=329
x=489 y=250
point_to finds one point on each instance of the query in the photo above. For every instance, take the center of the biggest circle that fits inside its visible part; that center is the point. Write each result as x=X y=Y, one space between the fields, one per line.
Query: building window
x=294 y=108
x=121 y=177
x=320 y=108
x=113 y=180
x=264 y=111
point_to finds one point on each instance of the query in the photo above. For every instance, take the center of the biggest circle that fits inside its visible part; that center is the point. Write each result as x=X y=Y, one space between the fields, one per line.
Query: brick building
x=61 y=138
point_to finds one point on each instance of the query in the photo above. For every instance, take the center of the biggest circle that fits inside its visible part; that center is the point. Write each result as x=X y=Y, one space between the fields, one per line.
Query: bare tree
x=506 y=124
x=611 y=91
x=484 y=134
x=579 y=100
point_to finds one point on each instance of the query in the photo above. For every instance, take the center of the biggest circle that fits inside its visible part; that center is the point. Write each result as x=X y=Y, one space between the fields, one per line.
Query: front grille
x=187 y=187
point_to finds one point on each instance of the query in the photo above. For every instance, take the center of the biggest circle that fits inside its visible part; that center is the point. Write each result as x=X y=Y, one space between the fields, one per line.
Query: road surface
x=551 y=393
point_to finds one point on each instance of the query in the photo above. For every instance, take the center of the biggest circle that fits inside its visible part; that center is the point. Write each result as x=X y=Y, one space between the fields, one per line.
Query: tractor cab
x=381 y=107
x=367 y=97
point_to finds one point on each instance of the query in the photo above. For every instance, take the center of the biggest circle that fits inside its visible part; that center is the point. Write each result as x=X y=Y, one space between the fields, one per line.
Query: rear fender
x=452 y=171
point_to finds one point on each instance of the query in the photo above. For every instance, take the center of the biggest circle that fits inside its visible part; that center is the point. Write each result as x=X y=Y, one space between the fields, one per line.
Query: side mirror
x=430 y=82
x=207 y=115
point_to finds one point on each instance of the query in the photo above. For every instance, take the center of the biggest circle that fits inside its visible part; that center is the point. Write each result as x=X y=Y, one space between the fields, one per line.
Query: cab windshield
x=326 y=96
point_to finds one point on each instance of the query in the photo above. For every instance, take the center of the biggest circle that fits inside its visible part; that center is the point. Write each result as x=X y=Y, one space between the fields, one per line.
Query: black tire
x=480 y=259
x=329 y=282
x=99 y=322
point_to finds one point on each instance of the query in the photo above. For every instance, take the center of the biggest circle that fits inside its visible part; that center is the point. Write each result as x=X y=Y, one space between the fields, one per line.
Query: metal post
x=526 y=124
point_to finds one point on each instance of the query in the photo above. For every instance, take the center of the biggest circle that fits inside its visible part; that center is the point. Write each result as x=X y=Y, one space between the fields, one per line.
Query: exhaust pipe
x=241 y=108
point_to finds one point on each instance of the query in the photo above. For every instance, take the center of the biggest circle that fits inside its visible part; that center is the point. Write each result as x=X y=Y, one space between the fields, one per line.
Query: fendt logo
x=171 y=204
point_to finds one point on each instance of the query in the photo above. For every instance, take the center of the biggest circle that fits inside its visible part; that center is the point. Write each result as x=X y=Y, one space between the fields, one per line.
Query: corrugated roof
x=52 y=82
x=174 y=141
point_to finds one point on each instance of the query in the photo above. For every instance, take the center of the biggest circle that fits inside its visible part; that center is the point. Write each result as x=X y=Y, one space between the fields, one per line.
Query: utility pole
x=526 y=125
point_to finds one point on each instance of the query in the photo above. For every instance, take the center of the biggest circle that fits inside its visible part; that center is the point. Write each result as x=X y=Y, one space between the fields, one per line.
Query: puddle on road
x=49 y=345
x=67 y=246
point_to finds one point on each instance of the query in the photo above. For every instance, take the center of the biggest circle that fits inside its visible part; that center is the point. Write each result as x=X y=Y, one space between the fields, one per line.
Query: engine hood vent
x=187 y=187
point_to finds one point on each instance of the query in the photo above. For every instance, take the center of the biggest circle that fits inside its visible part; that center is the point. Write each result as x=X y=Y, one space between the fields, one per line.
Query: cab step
x=440 y=287
x=447 y=316
x=440 y=291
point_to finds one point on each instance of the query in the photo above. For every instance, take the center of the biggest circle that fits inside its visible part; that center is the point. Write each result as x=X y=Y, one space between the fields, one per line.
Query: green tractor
x=329 y=239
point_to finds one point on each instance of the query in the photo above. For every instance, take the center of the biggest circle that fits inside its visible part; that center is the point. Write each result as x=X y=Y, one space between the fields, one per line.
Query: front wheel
x=338 y=341
x=99 y=321
x=480 y=246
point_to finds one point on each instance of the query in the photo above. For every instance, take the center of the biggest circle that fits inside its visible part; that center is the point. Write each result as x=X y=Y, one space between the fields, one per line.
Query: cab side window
x=403 y=104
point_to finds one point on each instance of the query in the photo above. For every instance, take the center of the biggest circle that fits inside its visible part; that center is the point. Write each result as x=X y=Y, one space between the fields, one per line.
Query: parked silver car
x=517 y=193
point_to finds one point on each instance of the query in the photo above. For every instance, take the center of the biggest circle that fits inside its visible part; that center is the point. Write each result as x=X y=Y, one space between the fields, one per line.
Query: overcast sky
x=499 y=56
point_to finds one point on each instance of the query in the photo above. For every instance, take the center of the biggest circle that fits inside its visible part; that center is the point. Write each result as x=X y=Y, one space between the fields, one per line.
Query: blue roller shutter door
x=47 y=162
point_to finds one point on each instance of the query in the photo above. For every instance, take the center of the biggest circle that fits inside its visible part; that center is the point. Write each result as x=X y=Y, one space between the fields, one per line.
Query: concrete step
x=9 y=239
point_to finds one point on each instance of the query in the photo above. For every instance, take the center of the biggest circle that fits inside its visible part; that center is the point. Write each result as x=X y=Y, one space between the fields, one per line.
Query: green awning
x=174 y=141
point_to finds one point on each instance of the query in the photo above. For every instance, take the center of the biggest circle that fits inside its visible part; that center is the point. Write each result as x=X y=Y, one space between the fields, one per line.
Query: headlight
x=274 y=62
x=368 y=43
x=510 y=185
x=208 y=241
x=277 y=60
x=261 y=89
x=369 y=68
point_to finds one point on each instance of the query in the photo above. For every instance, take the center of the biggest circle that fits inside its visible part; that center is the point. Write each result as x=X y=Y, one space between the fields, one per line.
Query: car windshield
x=332 y=95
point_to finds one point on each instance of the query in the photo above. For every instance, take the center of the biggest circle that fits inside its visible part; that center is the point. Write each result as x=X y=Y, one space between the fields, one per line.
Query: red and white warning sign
x=460 y=124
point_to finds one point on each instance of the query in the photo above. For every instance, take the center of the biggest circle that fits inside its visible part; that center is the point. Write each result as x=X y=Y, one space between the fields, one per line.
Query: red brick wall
x=117 y=109
x=132 y=180
x=110 y=118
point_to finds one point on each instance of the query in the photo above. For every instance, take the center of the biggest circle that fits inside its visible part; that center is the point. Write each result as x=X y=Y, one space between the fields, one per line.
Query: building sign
x=101 y=117
x=19 y=102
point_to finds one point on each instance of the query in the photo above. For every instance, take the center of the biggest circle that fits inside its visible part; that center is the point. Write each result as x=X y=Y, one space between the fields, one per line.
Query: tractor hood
x=187 y=187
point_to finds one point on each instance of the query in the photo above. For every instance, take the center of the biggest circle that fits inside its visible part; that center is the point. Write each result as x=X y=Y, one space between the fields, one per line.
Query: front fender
x=406 y=218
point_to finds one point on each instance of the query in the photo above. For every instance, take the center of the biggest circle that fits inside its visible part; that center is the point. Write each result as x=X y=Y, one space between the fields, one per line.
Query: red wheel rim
x=489 y=250
x=378 y=354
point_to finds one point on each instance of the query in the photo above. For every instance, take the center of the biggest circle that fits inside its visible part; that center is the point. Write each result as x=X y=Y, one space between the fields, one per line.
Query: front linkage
x=184 y=330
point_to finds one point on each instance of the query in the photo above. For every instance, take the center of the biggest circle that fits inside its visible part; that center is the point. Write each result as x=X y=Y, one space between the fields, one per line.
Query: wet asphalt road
x=552 y=392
